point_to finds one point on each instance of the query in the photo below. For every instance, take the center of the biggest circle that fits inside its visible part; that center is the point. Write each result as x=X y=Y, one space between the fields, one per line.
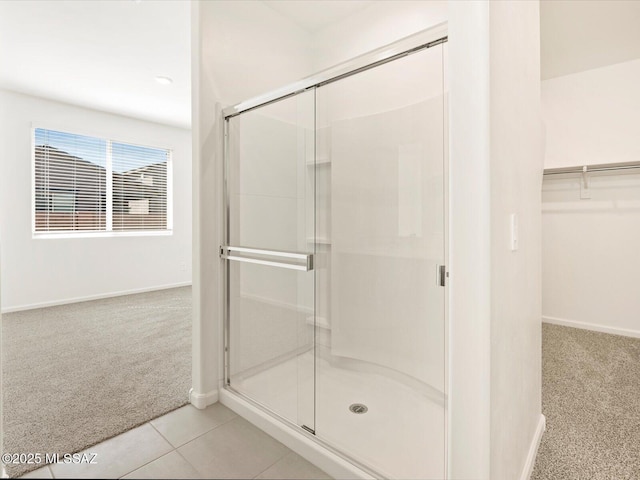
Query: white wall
x=579 y=35
x=516 y=176
x=590 y=261
x=469 y=241
x=380 y=23
x=37 y=272
x=593 y=116
x=249 y=49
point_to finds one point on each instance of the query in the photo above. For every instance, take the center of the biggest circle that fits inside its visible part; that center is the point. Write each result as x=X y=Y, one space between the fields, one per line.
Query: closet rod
x=602 y=167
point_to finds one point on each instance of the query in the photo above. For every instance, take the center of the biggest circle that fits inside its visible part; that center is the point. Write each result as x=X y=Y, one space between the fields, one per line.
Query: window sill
x=68 y=235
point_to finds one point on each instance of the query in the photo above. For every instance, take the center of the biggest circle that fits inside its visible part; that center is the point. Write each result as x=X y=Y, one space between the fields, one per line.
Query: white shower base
x=401 y=436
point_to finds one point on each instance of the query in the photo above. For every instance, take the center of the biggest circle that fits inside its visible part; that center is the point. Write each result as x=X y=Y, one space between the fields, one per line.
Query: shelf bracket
x=585 y=193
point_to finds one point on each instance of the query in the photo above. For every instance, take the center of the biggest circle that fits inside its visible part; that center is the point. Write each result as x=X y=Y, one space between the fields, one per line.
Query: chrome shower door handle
x=442 y=275
x=256 y=256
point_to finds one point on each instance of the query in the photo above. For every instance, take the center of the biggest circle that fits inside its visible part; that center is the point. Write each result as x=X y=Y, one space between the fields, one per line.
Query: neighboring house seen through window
x=88 y=184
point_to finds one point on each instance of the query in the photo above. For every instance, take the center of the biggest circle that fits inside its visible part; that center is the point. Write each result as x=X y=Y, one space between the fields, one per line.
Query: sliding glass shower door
x=335 y=249
x=380 y=301
x=270 y=195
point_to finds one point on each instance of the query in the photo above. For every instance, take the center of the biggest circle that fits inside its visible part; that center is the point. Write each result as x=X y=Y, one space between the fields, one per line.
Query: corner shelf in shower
x=320 y=162
x=320 y=322
x=319 y=240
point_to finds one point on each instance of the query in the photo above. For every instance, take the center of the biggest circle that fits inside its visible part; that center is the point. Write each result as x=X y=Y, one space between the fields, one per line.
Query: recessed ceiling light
x=164 y=80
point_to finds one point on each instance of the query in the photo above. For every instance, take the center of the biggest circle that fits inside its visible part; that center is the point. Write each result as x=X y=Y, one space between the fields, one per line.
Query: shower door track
x=411 y=44
x=303 y=431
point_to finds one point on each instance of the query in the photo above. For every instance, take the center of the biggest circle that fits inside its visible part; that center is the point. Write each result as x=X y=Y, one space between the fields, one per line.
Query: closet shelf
x=601 y=167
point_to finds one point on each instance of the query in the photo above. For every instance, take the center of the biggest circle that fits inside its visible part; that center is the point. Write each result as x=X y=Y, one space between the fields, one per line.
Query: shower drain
x=358 y=408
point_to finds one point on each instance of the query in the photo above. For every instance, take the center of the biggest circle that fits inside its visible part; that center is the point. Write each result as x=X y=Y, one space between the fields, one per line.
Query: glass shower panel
x=380 y=226
x=271 y=205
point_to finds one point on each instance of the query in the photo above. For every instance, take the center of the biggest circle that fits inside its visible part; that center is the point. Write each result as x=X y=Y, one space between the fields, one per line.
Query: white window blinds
x=88 y=184
x=70 y=182
x=139 y=187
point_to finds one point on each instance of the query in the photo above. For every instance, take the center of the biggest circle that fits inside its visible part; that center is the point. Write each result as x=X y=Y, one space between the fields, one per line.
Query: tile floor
x=190 y=443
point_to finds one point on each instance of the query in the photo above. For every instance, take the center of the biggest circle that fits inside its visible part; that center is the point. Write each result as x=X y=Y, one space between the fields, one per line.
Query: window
x=88 y=184
x=62 y=202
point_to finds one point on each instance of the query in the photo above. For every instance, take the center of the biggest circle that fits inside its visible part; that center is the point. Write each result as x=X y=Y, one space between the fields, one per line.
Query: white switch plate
x=514 y=232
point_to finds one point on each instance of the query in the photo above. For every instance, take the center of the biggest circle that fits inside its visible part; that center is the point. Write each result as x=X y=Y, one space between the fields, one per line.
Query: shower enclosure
x=335 y=245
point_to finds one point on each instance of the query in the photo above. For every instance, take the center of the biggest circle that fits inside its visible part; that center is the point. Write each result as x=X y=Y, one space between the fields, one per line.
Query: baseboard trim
x=203 y=400
x=625 y=332
x=88 y=298
x=533 y=449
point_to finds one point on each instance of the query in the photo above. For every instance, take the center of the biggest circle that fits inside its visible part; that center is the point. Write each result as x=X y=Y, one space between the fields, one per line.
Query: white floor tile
x=186 y=423
x=42 y=472
x=172 y=465
x=236 y=449
x=119 y=455
x=293 y=466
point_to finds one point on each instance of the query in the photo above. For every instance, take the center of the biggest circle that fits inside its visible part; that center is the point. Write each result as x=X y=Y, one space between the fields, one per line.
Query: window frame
x=37 y=235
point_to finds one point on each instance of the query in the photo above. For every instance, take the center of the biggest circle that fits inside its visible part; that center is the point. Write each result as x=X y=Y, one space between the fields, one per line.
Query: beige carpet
x=591 y=400
x=75 y=375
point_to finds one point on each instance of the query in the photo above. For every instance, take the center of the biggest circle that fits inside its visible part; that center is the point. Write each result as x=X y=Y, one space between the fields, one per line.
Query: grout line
x=153 y=460
x=160 y=433
x=210 y=430
x=118 y=435
x=282 y=457
x=191 y=464
x=173 y=449
x=145 y=464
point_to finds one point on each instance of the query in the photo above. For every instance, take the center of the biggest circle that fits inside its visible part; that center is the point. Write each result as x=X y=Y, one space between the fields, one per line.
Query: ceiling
x=578 y=35
x=101 y=54
x=105 y=54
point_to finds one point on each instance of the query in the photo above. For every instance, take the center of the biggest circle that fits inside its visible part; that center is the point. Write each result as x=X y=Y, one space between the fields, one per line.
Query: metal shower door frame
x=412 y=44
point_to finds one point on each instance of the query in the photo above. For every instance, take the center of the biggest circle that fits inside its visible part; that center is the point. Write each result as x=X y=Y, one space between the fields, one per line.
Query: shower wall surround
x=350 y=173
